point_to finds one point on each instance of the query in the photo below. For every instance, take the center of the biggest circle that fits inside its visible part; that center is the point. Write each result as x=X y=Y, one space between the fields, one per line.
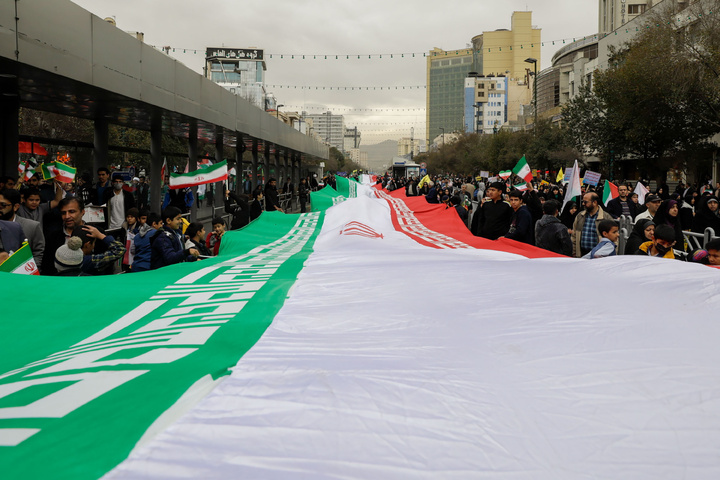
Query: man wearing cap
x=492 y=218
x=652 y=202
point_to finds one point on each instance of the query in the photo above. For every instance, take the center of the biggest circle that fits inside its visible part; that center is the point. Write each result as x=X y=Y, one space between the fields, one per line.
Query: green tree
x=654 y=102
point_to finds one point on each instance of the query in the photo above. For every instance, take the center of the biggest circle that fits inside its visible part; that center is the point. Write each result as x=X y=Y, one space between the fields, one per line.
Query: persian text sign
x=78 y=395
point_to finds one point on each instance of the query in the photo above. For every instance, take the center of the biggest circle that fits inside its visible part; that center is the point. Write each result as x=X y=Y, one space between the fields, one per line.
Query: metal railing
x=693 y=240
x=285 y=201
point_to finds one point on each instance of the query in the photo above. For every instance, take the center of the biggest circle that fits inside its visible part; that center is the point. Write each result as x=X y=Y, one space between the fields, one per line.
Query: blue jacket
x=143 y=248
x=521 y=226
x=168 y=249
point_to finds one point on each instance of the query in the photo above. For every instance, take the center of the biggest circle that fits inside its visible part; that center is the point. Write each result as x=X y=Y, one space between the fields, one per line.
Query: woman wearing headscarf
x=706 y=215
x=642 y=232
x=567 y=217
x=687 y=212
x=667 y=214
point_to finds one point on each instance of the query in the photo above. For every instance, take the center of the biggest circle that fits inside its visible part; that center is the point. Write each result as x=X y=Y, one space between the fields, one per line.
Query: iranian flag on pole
x=521 y=186
x=20 y=262
x=522 y=170
x=211 y=174
x=64 y=173
x=163 y=169
x=609 y=192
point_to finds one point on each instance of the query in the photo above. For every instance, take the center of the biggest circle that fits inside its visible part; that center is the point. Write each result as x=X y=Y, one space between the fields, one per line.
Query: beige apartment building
x=500 y=52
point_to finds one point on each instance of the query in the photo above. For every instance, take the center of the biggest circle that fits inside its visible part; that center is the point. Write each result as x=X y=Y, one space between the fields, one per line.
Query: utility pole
x=412 y=142
x=534 y=62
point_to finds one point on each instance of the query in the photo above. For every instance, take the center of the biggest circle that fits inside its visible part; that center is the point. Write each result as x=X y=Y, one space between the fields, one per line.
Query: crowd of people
x=123 y=235
x=50 y=217
x=581 y=227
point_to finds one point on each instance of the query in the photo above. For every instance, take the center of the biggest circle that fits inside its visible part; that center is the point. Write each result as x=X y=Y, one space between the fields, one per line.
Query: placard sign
x=591 y=178
x=94 y=214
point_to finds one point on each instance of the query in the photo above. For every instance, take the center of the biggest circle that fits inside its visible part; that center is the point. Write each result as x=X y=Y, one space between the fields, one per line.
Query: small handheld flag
x=522 y=170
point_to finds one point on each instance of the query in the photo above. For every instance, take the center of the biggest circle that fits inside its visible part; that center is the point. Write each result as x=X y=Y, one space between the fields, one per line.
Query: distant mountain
x=380 y=154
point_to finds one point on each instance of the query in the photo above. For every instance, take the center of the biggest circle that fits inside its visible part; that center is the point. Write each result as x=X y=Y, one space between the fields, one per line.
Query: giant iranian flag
x=371 y=338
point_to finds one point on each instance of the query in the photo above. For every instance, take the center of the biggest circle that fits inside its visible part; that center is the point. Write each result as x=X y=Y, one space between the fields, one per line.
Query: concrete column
x=255 y=155
x=239 y=177
x=287 y=170
x=192 y=163
x=100 y=144
x=278 y=172
x=156 y=162
x=9 y=134
x=219 y=193
x=266 y=162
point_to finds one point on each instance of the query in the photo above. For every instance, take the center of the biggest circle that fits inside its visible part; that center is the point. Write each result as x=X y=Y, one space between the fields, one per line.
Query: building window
x=636 y=9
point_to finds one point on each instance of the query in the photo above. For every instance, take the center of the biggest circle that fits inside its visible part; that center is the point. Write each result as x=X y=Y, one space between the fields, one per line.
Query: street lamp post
x=534 y=62
x=476 y=110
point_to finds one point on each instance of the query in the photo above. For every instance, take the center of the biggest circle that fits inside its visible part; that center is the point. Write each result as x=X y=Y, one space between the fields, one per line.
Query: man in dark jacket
x=168 y=245
x=303 y=192
x=521 y=225
x=272 y=201
x=492 y=219
x=142 y=194
x=550 y=233
x=240 y=211
x=622 y=205
x=456 y=203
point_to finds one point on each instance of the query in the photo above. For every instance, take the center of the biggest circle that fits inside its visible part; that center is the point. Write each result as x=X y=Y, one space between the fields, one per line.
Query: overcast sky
x=343 y=27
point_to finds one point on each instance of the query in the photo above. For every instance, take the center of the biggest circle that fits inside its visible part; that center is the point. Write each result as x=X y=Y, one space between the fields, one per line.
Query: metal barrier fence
x=694 y=240
x=285 y=201
x=227 y=217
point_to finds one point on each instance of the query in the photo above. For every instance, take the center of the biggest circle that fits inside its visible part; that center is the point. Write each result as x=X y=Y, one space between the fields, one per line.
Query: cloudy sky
x=343 y=27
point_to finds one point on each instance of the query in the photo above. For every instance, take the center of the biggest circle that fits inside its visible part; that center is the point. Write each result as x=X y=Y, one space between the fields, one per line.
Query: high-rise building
x=408 y=147
x=328 y=127
x=614 y=14
x=446 y=72
x=500 y=52
x=240 y=70
x=485 y=103
x=352 y=139
x=505 y=52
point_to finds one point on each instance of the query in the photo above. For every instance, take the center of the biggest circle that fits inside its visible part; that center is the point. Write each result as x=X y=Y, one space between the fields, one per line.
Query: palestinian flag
x=211 y=174
x=64 y=173
x=333 y=344
x=610 y=191
x=20 y=262
x=48 y=170
x=505 y=174
x=522 y=170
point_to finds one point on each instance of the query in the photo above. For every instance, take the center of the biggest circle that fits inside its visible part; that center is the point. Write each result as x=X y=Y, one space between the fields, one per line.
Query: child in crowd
x=610 y=232
x=213 y=239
